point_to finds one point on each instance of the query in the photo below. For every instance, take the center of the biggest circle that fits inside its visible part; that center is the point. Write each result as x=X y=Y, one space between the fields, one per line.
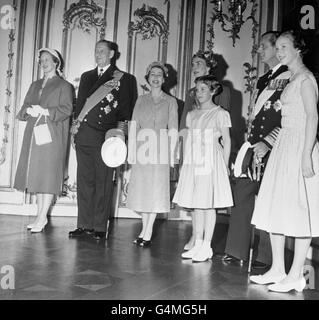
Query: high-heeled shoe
x=39 y=227
x=204 y=254
x=145 y=243
x=31 y=225
x=265 y=279
x=298 y=285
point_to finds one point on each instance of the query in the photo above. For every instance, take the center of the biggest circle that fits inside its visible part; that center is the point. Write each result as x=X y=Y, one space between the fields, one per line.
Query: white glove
x=32 y=112
x=40 y=110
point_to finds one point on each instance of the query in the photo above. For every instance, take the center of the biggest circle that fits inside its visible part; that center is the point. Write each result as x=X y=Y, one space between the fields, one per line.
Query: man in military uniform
x=106 y=96
x=264 y=130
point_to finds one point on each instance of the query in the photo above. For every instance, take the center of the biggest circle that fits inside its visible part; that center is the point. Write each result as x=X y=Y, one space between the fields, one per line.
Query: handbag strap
x=39 y=117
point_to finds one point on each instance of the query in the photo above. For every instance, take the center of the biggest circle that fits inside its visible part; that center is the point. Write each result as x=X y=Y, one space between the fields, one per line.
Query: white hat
x=55 y=54
x=114 y=152
x=243 y=159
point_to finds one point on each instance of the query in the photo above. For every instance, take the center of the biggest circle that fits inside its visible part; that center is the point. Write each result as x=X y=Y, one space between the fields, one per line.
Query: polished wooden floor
x=51 y=266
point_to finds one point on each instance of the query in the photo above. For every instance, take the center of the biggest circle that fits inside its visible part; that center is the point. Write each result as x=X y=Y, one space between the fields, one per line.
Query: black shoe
x=138 y=240
x=80 y=232
x=259 y=265
x=98 y=235
x=77 y=232
x=145 y=243
x=230 y=259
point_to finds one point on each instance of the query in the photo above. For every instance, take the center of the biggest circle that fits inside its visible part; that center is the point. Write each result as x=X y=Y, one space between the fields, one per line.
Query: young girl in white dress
x=204 y=184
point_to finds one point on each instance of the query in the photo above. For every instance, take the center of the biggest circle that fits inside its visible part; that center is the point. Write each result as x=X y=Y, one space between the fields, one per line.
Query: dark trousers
x=240 y=229
x=94 y=189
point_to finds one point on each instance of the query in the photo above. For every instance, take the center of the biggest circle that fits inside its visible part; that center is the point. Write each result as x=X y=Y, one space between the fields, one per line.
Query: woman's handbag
x=41 y=132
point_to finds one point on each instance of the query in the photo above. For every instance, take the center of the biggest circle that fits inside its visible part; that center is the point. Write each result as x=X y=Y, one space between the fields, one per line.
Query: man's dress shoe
x=80 y=232
x=98 y=235
x=229 y=258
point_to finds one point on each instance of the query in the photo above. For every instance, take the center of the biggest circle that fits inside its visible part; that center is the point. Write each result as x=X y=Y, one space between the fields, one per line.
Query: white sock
x=198 y=242
x=206 y=244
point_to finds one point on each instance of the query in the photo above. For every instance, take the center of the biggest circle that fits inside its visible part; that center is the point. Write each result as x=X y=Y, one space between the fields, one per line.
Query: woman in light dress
x=288 y=202
x=204 y=184
x=151 y=152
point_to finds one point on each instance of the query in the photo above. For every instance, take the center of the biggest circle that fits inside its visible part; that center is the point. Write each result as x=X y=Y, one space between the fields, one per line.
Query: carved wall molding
x=89 y=17
x=8 y=92
x=149 y=23
x=85 y=15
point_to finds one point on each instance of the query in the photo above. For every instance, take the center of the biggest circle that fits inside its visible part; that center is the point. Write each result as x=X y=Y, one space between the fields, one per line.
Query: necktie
x=263 y=82
x=100 y=73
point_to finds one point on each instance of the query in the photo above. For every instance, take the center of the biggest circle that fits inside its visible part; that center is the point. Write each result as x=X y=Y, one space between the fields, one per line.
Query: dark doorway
x=291 y=14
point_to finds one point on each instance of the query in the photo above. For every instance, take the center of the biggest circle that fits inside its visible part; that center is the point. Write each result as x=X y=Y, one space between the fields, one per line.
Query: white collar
x=104 y=69
x=276 y=67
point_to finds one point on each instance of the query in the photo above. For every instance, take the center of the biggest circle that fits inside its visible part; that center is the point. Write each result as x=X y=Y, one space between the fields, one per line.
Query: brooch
x=278 y=105
x=107 y=109
x=109 y=97
x=267 y=105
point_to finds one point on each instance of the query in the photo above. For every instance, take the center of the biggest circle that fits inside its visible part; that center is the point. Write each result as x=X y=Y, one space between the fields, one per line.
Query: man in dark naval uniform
x=106 y=96
x=264 y=130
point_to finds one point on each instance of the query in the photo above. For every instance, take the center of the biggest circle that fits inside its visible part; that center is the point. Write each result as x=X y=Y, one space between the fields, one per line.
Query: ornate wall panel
x=147 y=40
x=9 y=37
x=84 y=23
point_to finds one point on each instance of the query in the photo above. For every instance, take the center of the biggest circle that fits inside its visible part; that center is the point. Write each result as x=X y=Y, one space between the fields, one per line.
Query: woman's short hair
x=156 y=64
x=213 y=84
x=297 y=40
x=208 y=57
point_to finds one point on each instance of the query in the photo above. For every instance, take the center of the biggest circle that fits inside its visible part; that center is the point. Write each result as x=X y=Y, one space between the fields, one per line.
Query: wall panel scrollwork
x=148 y=24
x=147 y=41
x=84 y=16
x=8 y=93
x=84 y=23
